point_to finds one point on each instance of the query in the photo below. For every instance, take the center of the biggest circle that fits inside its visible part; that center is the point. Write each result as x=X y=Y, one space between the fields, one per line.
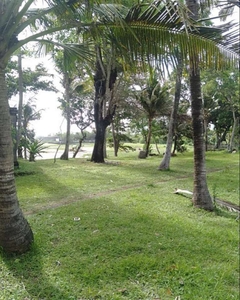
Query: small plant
x=35 y=148
x=120 y=143
x=181 y=146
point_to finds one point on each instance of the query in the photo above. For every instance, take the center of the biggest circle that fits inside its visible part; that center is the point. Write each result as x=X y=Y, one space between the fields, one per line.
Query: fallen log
x=227 y=204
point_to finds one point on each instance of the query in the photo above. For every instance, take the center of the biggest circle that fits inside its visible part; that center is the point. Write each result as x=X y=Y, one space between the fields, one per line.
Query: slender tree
x=67 y=109
x=20 y=103
x=165 y=163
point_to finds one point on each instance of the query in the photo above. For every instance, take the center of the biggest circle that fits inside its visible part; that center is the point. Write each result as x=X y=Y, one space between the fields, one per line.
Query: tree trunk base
x=203 y=202
x=19 y=243
x=64 y=156
x=163 y=168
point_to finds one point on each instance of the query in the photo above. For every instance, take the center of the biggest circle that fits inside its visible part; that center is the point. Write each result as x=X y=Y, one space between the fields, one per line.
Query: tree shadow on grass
x=28 y=271
x=129 y=251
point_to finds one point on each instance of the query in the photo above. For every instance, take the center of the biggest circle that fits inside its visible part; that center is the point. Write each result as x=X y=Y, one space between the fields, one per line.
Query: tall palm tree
x=16 y=16
x=201 y=195
x=192 y=54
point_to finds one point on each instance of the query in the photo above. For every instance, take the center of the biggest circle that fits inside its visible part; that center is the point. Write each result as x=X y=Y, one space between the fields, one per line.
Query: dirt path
x=92 y=196
x=100 y=194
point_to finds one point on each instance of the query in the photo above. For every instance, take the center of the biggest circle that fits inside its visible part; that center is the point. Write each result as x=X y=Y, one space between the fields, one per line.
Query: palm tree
x=201 y=195
x=15 y=232
x=29 y=114
x=154 y=100
x=192 y=53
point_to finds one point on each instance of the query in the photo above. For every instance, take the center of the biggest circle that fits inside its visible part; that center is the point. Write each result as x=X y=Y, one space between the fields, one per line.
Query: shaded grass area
x=123 y=234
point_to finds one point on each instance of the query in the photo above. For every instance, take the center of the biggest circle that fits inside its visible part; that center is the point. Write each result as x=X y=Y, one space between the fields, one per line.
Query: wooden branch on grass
x=229 y=205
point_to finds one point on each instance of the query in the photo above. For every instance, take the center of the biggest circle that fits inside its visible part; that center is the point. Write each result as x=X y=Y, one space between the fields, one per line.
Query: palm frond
x=230 y=36
x=161 y=29
x=72 y=52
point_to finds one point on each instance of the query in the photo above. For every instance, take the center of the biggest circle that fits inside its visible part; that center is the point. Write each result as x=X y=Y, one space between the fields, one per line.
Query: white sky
x=51 y=116
x=52 y=121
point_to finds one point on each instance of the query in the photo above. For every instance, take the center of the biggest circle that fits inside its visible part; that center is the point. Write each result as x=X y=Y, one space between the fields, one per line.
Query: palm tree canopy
x=155 y=98
x=146 y=31
x=164 y=26
x=19 y=16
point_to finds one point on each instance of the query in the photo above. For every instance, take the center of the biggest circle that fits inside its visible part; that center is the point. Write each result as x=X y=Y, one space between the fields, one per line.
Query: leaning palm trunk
x=201 y=195
x=15 y=232
x=165 y=164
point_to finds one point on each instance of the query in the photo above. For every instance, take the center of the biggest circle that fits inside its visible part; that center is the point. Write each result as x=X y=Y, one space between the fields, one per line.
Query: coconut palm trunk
x=201 y=195
x=15 y=232
x=165 y=163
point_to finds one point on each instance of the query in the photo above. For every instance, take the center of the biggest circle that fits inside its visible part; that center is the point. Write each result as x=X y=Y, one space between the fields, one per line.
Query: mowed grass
x=117 y=231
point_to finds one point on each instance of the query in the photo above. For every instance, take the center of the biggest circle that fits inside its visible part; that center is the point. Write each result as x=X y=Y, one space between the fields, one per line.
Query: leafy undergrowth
x=117 y=231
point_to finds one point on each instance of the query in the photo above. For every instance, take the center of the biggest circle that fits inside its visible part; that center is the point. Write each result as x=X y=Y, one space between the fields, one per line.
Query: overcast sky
x=51 y=121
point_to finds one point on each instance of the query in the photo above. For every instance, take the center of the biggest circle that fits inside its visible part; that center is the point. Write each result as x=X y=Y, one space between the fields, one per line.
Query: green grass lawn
x=117 y=231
